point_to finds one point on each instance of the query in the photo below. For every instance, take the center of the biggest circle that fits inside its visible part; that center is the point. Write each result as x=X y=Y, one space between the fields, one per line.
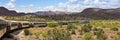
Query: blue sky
x=58 y=5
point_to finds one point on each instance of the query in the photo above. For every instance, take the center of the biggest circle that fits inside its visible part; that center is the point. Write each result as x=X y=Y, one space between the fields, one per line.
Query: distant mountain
x=98 y=10
x=44 y=13
x=97 y=13
x=89 y=13
x=6 y=12
x=49 y=12
x=21 y=14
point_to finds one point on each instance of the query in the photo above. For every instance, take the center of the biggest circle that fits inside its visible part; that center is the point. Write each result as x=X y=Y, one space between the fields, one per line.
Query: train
x=20 y=24
x=7 y=25
x=2 y=26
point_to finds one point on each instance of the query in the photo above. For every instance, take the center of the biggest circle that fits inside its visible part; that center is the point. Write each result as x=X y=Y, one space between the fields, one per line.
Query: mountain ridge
x=90 y=13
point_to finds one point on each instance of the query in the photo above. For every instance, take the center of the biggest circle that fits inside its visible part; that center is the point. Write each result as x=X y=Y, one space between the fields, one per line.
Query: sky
x=57 y=5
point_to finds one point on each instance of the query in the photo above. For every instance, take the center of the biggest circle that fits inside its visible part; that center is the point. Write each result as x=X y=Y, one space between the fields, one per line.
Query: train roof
x=2 y=21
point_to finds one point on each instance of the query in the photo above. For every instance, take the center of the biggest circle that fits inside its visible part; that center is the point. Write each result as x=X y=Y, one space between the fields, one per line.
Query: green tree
x=27 y=32
x=57 y=34
x=114 y=29
x=100 y=34
x=88 y=36
x=71 y=27
x=52 y=24
x=87 y=28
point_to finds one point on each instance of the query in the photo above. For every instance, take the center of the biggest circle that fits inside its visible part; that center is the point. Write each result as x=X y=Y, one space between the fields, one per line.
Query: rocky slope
x=6 y=12
x=97 y=13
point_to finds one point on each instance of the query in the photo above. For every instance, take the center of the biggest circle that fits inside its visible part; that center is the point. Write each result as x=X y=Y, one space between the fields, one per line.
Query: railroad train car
x=85 y=21
x=13 y=24
x=63 y=23
x=2 y=27
x=24 y=23
x=7 y=25
x=40 y=24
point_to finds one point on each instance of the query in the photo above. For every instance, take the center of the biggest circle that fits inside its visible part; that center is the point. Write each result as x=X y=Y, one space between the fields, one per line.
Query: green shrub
x=114 y=29
x=73 y=31
x=88 y=36
x=118 y=35
x=103 y=26
x=95 y=29
x=57 y=34
x=71 y=27
x=87 y=28
x=100 y=34
x=27 y=32
x=52 y=24
x=115 y=37
x=37 y=34
x=81 y=33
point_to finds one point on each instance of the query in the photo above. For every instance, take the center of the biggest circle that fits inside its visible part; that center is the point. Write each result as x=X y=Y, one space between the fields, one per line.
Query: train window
x=85 y=21
x=39 y=23
x=63 y=23
x=25 y=23
x=36 y=23
x=14 y=23
x=2 y=24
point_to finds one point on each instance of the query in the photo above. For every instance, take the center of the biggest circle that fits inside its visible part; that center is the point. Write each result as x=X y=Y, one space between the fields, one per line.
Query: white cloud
x=53 y=8
x=76 y=5
x=82 y=4
x=25 y=6
x=96 y=1
x=26 y=9
x=12 y=1
x=86 y=1
x=69 y=6
x=72 y=0
x=31 y=5
x=10 y=4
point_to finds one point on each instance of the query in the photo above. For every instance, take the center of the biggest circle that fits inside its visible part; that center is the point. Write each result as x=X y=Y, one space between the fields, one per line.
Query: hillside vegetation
x=95 y=30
